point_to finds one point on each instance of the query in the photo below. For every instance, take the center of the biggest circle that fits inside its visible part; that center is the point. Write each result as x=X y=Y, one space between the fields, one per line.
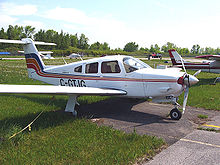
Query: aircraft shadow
x=121 y=109
x=113 y=108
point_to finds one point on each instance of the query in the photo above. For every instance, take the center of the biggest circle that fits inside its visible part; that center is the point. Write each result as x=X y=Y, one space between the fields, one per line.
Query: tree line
x=68 y=43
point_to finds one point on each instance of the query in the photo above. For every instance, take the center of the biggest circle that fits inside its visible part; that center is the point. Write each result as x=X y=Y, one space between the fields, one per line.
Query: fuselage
x=113 y=72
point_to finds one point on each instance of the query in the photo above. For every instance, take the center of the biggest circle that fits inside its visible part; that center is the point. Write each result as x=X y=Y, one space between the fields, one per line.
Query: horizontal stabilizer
x=59 y=90
x=24 y=41
x=41 y=52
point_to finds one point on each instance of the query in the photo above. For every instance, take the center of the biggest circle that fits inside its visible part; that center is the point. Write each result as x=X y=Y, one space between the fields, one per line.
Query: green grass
x=209 y=129
x=201 y=116
x=57 y=137
x=77 y=142
x=11 y=56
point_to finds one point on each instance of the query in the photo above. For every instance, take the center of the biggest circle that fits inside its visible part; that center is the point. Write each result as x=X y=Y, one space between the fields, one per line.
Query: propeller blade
x=186 y=93
x=197 y=73
x=183 y=64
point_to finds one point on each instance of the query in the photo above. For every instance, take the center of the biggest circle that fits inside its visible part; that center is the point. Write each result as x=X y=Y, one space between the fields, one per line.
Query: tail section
x=175 y=57
x=32 y=56
x=33 y=59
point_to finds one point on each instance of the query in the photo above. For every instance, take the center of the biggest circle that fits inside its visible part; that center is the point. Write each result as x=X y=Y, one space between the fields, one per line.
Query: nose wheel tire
x=175 y=114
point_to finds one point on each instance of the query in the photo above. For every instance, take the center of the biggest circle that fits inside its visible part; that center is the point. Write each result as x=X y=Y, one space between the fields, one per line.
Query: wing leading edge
x=210 y=57
x=59 y=90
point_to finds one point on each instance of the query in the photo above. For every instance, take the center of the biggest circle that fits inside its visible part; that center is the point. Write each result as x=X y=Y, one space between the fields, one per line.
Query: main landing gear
x=72 y=105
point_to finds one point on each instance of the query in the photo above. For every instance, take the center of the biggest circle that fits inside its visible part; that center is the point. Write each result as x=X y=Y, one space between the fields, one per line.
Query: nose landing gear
x=175 y=114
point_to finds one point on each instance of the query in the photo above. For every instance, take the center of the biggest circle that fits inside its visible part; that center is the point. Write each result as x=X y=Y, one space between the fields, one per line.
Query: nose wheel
x=175 y=114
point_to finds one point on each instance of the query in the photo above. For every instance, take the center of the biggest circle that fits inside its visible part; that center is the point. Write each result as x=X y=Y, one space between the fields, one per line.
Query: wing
x=210 y=57
x=59 y=90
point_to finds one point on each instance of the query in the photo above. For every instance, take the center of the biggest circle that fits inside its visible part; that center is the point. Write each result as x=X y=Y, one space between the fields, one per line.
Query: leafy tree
x=98 y=46
x=3 y=34
x=144 y=49
x=195 y=49
x=208 y=50
x=95 y=46
x=154 y=49
x=168 y=46
x=74 y=40
x=131 y=47
x=14 y=32
x=28 y=32
x=83 y=42
x=40 y=35
x=184 y=51
x=105 y=46
x=157 y=48
x=217 y=51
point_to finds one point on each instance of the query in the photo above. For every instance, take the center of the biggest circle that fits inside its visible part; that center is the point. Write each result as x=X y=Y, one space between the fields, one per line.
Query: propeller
x=187 y=81
x=186 y=93
x=195 y=74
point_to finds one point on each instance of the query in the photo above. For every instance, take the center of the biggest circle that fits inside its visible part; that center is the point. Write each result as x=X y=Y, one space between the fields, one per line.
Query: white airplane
x=46 y=55
x=210 y=66
x=119 y=75
x=74 y=55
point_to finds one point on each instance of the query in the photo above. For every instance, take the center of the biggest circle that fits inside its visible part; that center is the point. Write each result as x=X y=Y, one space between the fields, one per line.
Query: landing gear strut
x=175 y=114
x=72 y=105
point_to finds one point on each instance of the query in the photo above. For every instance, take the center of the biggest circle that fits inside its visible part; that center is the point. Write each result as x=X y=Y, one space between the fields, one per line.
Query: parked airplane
x=46 y=55
x=211 y=66
x=119 y=75
x=75 y=56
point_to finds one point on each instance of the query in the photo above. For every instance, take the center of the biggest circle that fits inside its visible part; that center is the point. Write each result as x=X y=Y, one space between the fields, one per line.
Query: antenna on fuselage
x=80 y=58
x=64 y=60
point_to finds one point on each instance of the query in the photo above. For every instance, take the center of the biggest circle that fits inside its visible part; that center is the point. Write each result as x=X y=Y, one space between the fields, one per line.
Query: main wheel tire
x=175 y=114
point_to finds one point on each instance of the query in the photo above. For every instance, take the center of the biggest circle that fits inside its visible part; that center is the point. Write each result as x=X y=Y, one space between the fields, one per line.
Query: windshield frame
x=137 y=66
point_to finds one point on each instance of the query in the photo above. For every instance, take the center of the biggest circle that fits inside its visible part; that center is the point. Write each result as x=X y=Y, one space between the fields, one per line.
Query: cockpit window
x=132 y=64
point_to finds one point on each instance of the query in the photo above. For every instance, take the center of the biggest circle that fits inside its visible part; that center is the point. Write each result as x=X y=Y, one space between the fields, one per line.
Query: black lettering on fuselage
x=72 y=83
x=62 y=83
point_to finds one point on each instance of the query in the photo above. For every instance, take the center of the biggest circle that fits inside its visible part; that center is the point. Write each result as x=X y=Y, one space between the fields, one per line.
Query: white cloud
x=67 y=14
x=7 y=20
x=16 y=10
x=99 y=28
x=37 y=24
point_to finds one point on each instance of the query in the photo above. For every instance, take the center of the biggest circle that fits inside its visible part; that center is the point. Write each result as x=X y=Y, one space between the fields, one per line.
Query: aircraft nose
x=193 y=80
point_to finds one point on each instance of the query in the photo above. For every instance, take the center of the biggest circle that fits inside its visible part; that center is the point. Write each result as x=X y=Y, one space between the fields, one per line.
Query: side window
x=110 y=67
x=78 y=69
x=92 y=68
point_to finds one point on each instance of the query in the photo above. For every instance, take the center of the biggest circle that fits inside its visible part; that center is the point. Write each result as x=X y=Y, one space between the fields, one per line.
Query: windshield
x=132 y=64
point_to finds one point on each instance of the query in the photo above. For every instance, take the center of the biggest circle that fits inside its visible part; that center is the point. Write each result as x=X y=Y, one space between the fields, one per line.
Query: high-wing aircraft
x=118 y=75
x=211 y=66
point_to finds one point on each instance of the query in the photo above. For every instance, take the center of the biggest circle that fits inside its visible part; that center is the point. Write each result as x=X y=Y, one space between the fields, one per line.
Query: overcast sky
x=118 y=22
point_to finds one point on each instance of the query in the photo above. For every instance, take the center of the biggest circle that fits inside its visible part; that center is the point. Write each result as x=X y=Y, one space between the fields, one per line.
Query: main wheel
x=175 y=114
